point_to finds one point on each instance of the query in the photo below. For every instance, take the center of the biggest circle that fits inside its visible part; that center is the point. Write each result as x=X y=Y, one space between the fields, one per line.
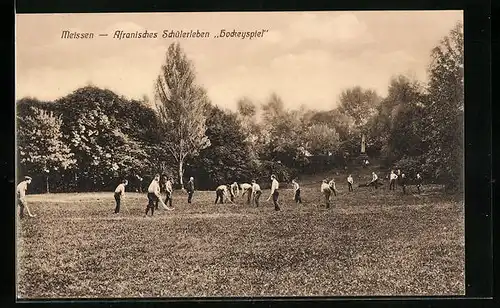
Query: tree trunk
x=47 y=181
x=181 y=172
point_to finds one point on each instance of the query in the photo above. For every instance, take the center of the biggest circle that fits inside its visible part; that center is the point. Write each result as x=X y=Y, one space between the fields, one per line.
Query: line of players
x=228 y=192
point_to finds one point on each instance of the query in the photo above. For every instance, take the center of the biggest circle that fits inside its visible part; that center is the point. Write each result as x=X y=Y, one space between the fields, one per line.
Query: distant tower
x=363 y=156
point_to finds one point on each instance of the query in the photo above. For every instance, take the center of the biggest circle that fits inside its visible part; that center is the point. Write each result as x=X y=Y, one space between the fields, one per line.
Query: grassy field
x=369 y=243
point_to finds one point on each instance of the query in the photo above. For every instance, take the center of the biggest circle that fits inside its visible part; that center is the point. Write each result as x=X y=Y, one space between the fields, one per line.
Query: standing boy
x=392 y=180
x=296 y=189
x=168 y=191
x=119 y=193
x=190 y=189
x=403 y=183
x=274 y=192
x=153 y=195
x=326 y=190
x=21 y=197
x=256 y=192
x=350 y=181
x=419 y=182
x=374 y=181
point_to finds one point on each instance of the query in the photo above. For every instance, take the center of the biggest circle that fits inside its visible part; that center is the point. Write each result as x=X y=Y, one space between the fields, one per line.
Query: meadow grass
x=371 y=242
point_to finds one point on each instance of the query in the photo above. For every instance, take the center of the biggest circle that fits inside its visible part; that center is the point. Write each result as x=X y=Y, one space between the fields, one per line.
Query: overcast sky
x=306 y=57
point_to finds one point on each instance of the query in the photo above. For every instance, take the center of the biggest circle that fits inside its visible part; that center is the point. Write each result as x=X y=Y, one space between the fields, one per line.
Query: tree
x=321 y=139
x=442 y=126
x=358 y=104
x=281 y=136
x=108 y=134
x=227 y=159
x=393 y=130
x=41 y=145
x=182 y=106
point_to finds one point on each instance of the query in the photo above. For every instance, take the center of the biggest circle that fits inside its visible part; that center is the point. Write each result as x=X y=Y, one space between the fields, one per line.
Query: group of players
x=228 y=192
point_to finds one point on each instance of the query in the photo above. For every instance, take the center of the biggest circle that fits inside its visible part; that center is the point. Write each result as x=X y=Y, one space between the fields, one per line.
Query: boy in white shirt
x=234 y=190
x=274 y=192
x=392 y=180
x=153 y=195
x=327 y=191
x=220 y=192
x=296 y=189
x=21 y=197
x=168 y=191
x=333 y=187
x=119 y=193
x=246 y=189
x=350 y=182
x=374 y=181
x=256 y=192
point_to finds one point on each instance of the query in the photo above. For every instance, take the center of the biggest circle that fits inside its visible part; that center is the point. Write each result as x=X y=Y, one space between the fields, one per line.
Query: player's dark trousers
x=117 y=199
x=327 y=198
x=350 y=186
x=392 y=185
x=403 y=185
x=190 y=196
x=21 y=208
x=249 y=196
x=152 y=203
x=374 y=183
x=418 y=188
x=168 y=198
x=257 y=196
x=276 y=195
x=297 y=197
x=334 y=191
x=219 y=195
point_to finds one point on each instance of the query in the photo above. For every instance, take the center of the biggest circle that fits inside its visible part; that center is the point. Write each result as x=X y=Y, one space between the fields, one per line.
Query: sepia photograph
x=239 y=154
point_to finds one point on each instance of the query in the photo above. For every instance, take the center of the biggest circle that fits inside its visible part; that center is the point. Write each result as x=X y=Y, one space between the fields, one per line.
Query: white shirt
x=154 y=187
x=296 y=186
x=349 y=179
x=255 y=187
x=274 y=186
x=393 y=176
x=375 y=177
x=222 y=187
x=418 y=176
x=246 y=186
x=21 y=189
x=120 y=188
x=325 y=187
x=332 y=184
x=168 y=186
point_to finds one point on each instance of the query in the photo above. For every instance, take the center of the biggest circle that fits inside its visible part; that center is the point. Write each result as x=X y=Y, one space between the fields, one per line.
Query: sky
x=307 y=58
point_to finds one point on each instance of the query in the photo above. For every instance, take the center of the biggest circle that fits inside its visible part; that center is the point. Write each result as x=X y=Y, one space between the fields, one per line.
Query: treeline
x=91 y=138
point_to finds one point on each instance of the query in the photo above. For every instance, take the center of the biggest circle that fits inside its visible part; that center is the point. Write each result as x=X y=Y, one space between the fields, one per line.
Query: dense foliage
x=92 y=138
